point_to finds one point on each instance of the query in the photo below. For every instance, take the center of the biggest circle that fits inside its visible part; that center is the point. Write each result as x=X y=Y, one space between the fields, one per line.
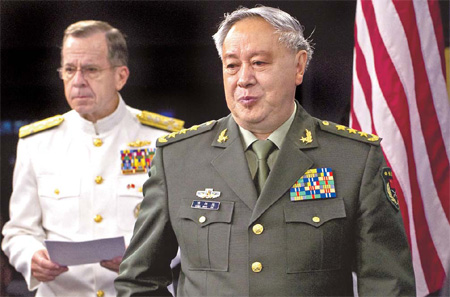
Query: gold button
x=258 y=229
x=98 y=179
x=316 y=219
x=57 y=191
x=256 y=267
x=137 y=209
x=98 y=142
x=98 y=218
x=202 y=219
x=100 y=293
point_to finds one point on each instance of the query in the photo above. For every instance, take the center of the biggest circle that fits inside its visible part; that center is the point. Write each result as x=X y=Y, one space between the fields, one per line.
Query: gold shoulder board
x=159 y=121
x=39 y=126
x=349 y=132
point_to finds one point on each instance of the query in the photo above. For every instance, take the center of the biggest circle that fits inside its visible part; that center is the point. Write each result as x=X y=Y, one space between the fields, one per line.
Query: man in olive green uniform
x=294 y=220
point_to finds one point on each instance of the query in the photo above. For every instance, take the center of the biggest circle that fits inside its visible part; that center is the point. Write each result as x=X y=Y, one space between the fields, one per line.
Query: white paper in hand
x=67 y=253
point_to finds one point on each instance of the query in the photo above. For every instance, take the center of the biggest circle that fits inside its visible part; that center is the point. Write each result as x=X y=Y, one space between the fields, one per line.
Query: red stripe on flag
x=392 y=90
x=353 y=120
x=428 y=117
x=438 y=30
x=364 y=77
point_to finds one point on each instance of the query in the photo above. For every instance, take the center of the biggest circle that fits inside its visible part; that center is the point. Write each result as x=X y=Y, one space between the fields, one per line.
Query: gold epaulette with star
x=39 y=126
x=349 y=132
x=185 y=133
x=159 y=121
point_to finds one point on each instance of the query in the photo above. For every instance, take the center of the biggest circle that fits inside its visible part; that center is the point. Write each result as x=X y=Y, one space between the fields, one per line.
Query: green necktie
x=262 y=149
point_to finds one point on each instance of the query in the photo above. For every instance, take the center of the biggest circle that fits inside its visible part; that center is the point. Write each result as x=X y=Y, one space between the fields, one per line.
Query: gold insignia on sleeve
x=350 y=130
x=308 y=138
x=223 y=137
x=340 y=127
x=391 y=194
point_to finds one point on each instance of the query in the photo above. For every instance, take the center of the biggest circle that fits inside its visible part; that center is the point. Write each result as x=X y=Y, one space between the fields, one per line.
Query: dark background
x=174 y=66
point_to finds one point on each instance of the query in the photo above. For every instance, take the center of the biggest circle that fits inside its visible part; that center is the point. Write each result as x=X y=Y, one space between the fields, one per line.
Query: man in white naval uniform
x=79 y=176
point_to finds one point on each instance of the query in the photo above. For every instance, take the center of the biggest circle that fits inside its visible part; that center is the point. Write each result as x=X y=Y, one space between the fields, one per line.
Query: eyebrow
x=82 y=65
x=257 y=53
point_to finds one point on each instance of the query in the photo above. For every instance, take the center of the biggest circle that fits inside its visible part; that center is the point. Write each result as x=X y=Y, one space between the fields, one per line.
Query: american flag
x=399 y=93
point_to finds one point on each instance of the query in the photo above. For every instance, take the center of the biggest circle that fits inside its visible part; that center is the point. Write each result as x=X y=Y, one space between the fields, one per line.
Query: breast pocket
x=129 y=199
x=60 y=198
x=206 y=235
x=314 y=235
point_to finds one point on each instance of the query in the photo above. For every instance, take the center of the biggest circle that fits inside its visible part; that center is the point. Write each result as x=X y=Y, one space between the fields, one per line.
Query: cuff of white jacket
x=31 y=281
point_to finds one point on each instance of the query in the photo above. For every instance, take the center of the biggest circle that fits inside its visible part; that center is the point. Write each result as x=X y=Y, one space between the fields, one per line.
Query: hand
x=112 y=264
x=43 y=269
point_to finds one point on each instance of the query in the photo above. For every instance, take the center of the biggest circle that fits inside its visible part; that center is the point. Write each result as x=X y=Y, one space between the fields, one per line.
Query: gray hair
x=115 y=40
x=288 y=27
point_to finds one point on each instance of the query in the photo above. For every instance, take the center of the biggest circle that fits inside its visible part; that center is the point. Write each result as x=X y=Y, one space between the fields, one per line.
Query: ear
x=300 y=58
x=121 y=77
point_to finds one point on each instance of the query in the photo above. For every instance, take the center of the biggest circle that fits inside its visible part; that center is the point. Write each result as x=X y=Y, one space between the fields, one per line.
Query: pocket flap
x=205 y=217
x=316 y=212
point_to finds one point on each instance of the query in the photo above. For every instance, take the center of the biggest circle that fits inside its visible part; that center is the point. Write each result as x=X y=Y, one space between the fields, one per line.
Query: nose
x=78 y=79
x=246 y=76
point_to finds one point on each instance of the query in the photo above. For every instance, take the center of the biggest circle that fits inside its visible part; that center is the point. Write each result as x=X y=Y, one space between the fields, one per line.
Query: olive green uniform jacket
x=306 y=248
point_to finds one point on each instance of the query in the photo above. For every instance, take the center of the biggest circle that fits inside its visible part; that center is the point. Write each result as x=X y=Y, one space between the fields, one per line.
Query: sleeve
x=23 y=233
x=383 y=262
x=145 y=269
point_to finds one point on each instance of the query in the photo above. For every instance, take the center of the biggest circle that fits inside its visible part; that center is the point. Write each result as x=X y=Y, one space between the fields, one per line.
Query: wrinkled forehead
x=93 y=48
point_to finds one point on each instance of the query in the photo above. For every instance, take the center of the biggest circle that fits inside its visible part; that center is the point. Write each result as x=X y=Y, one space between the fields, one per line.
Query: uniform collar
x=301 y=131
x=104 y=125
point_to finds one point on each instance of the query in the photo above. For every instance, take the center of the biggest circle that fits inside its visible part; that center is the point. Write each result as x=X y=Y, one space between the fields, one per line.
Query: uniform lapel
x=291 y=163
x=231 y=164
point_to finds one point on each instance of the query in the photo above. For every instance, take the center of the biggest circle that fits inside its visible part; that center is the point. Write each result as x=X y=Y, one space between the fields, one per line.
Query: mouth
x=80 y=97
x=247 y=100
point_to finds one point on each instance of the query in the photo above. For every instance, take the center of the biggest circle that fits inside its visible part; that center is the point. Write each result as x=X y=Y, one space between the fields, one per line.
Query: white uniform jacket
x=68 y=185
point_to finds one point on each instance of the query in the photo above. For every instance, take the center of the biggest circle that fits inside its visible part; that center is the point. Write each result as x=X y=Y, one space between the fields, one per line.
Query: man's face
x=96 y=98
x=260 y=76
